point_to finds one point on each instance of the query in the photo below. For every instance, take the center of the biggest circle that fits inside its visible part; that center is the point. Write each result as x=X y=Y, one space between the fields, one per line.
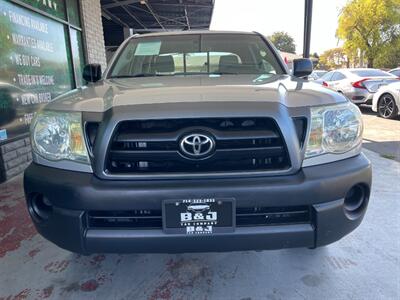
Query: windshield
x=193 y=54
x=371 y=73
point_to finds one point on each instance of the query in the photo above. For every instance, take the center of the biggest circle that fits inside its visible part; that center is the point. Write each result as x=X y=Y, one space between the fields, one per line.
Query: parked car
x=317 y=74
x=386 y=101
x=395 y=72
x=359 y=85
x=197 y=141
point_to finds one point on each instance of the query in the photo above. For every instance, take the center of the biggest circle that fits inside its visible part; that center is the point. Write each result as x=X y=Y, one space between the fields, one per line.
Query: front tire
x=387 y=108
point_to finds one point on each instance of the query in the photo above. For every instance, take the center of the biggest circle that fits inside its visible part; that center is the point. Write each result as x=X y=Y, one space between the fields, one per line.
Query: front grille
x=153 y=146
x=245 y=217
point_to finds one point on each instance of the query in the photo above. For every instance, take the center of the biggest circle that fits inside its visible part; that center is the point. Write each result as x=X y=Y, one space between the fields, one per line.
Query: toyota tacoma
x=197 y=141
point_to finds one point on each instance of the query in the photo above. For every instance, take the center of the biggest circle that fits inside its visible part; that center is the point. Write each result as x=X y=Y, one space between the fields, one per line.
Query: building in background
x=45 y=44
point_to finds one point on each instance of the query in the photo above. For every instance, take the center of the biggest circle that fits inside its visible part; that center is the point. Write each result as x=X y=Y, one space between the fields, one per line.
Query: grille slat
x=255 y=152
x=219 y=154
x=138 y=155
x=154 y=137
x=153 y=146
x=173 y=136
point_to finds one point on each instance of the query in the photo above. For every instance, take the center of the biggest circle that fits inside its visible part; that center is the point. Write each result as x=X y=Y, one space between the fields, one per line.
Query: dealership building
x=44 y=45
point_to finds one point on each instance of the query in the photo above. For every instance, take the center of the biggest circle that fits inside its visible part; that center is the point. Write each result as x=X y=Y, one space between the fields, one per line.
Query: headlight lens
x=59 y=136
x=334 y=129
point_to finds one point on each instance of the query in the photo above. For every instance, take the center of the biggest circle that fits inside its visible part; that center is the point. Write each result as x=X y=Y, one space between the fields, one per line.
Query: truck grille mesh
x=153 y=146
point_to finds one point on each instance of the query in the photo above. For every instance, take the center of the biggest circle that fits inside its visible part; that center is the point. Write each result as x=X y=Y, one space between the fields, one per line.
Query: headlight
x=334 y=129
x=59 y=136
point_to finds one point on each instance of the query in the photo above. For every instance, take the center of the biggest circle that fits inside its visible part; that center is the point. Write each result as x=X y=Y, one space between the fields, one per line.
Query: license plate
x=199 y=216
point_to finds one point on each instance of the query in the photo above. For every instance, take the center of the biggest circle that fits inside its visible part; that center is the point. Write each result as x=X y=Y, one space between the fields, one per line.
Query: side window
x=178 y=62
x=338 y=76
x=327 y=76
x=196 y=62
x=334 y=77
x=396 y=73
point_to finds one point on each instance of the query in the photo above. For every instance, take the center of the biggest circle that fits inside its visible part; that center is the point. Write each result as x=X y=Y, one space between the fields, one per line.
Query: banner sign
x=35 y=65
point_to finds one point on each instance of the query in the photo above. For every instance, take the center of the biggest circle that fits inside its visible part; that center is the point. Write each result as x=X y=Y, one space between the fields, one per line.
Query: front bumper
x=322 y=188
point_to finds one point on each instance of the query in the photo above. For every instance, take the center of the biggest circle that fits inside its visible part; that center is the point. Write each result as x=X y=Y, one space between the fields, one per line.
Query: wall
x=14 y=158
x=93 y=32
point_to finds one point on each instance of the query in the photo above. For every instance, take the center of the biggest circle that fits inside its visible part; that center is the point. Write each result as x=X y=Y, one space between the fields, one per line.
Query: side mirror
x=302 y=67
x=92 y=72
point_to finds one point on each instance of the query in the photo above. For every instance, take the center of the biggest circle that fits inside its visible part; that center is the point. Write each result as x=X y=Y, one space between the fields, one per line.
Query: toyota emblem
x=197 y=145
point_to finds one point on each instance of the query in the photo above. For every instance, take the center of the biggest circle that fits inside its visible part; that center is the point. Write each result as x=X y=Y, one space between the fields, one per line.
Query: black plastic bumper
x=322 y=188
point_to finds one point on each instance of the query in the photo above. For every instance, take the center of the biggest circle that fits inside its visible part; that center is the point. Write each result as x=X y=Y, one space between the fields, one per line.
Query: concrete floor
x=363 y=265
x=380 y=135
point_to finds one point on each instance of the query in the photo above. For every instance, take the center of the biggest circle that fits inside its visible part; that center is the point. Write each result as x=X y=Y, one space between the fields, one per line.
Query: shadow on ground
x=390 y=150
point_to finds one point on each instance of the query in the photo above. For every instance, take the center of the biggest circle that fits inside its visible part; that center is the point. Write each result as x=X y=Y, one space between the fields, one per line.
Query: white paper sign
x=148 y=48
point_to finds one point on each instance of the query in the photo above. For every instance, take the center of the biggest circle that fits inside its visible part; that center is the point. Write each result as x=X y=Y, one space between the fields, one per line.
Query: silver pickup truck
x=197 y=141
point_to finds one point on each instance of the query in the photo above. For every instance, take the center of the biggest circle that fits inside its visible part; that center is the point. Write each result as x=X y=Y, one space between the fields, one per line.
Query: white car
x=359 y=85
x=317 y=74
x=386 y=101
x=395 y=72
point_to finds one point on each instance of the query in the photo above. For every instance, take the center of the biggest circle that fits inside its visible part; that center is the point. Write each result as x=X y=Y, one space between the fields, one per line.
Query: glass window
x=55 y=8
x=327 y=76
x=246 y=55
x=320 y=73
x=77 y=55
x=215 y=58
x=31 y=75
x=196 y=54
x=338 y=76
x=196 y=62
x=178 y=62
x=371 y=73
x=396 y=72
x=73 y=12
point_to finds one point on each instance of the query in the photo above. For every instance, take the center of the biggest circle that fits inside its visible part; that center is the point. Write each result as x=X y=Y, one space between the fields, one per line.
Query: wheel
x=387 y=107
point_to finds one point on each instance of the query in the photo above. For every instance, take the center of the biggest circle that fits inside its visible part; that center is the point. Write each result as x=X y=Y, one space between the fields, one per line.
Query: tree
x=368 y=26
x=315 y=55
x=389 y=57
x=315 y=60
x=283 y=41
x=333 y=59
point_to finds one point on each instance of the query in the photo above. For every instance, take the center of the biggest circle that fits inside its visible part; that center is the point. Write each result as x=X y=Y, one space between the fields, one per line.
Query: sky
x=268 y=16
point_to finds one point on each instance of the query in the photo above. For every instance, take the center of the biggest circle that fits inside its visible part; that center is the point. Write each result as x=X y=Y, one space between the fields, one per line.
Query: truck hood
x=284 y=89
